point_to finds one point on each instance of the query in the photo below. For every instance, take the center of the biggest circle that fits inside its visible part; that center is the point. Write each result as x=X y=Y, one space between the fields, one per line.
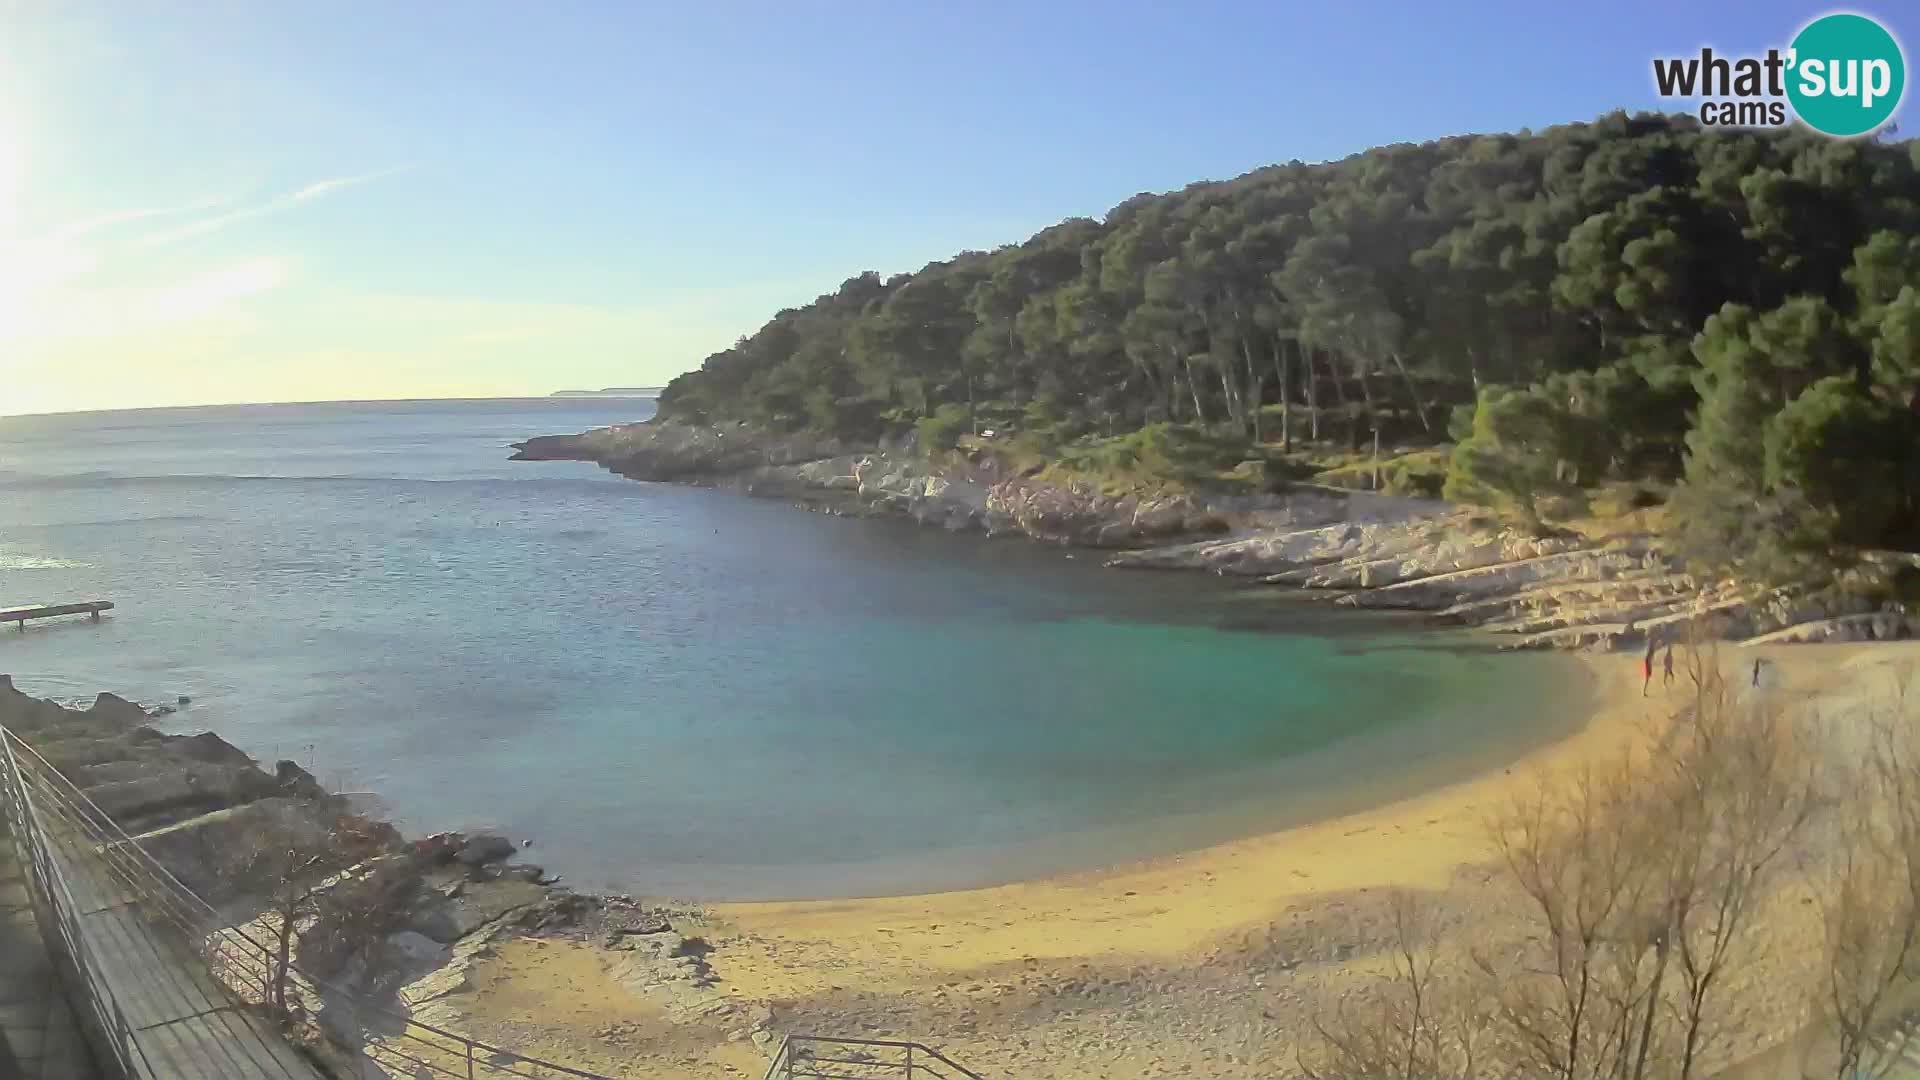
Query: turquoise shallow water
x=688 y=692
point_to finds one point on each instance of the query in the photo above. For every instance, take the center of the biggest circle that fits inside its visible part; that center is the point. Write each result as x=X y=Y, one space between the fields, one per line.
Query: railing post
x=469 y=1046
x=909 y=1061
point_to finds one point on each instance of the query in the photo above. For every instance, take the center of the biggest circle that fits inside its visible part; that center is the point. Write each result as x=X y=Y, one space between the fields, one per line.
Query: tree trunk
x=1236 y=413
x=1686 y=1055
x=1165 y=382
x=1255 y=386
x=1346 y=409
x=1366 y=391
x=1256 y=390
x=1283 y=367
x=1653 y=999
x=1577 y=1013
x=1193 y=385
x=1146 y=376
x=1419 y=404
x=1313 y=397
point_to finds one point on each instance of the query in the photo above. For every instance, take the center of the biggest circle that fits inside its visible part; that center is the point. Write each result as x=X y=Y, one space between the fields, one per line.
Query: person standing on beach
x=1666 y=664
x=1646 y=667
x=1756 y=672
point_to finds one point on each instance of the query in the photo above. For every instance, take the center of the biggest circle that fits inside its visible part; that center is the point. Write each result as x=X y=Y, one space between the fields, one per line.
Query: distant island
x=613 y=391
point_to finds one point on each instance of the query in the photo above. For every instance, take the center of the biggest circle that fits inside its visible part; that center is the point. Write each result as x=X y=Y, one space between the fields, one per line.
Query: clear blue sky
x=245 y=201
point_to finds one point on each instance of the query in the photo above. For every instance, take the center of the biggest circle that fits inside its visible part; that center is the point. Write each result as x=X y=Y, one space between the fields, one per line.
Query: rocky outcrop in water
x=824 y=474
x=1367 y=550
x=678 y=452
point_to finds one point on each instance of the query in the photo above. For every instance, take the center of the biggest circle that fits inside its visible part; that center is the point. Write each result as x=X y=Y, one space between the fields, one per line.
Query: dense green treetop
x=1640 y=297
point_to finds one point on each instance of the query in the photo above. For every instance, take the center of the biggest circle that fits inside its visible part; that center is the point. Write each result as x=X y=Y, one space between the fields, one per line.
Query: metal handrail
x=47 y=887
x=231 y=949
x=238 y=960
x=63 y=904
x=797 y=1051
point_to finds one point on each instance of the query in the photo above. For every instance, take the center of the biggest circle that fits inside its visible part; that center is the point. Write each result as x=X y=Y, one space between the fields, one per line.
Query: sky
x=222 y=202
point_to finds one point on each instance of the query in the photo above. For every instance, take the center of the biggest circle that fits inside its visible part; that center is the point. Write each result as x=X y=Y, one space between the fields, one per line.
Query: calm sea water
x=685 y=692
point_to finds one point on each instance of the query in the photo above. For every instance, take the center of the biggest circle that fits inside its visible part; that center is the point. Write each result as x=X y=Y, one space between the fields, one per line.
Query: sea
x=680 y=692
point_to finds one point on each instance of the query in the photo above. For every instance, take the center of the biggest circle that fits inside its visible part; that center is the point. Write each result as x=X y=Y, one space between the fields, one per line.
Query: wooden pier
x=19 y=616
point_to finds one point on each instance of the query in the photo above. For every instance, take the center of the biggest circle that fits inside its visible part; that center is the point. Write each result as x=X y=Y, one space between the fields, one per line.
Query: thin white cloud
x=275 y=205
x=323 y=187
x=87 y=226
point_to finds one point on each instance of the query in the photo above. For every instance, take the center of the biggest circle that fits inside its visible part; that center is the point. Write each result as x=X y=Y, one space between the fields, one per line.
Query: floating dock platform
x=19 y=616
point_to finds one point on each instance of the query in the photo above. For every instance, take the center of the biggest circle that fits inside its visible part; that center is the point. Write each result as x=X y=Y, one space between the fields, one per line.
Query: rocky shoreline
x=1357 y=549
x=1215 y=961
x=195 y=801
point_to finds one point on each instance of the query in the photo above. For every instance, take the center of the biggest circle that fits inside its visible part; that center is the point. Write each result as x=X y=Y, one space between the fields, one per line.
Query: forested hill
x=1732 y=312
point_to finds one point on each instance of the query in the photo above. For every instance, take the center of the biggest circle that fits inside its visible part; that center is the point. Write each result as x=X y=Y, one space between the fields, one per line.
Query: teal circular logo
x=1846 y=75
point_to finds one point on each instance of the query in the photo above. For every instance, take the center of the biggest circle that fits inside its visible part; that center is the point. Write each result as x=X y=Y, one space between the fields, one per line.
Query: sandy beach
x=1208 y=963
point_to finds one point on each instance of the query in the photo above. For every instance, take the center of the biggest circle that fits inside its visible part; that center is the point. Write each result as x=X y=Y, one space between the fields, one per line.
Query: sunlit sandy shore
x=1207 y=963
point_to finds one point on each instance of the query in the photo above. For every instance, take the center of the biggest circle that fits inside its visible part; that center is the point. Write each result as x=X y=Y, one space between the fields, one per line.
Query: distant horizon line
x=556 y=396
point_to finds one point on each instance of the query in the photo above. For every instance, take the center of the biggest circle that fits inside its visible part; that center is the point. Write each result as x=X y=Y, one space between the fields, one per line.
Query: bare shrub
x=1640 y=881
x=288 y=873
x=1584 y=853
x=1871 y=901
x=1737 y=788
x=1639 y=878
x=1425 y=1019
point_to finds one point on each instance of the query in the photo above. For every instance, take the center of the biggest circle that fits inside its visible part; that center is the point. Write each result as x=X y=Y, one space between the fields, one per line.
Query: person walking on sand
x=1666 y=664
x=1646 y=667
